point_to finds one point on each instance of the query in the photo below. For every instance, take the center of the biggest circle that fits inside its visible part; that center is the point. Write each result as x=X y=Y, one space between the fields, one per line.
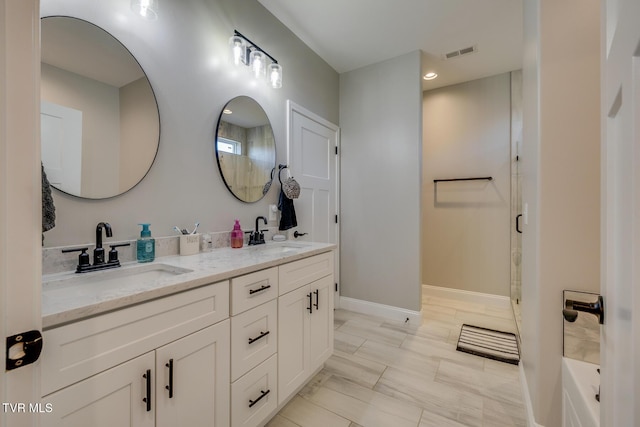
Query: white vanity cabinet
x=226 y=354
x=113 y=369
x=305 y=321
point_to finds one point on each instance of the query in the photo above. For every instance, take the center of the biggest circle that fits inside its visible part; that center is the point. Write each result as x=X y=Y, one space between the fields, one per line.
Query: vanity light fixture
x=430 y=75
x=148 y=9
x=244 y=51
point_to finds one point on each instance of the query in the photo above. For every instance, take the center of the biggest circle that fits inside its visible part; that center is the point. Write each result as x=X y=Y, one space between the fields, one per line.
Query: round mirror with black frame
x=245 y=149
x=100 y=124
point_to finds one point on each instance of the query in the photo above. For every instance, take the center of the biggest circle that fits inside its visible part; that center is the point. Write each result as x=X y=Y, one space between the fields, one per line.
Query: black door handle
x=296 y=234
x=147 y=399
x=170 y=386
x=310 y=296
x=317 y=291
x=262 y=335
x=518 y=223
x=262 y=394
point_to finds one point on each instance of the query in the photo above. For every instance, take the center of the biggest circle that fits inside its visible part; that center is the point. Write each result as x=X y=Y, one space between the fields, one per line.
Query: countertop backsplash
x=54 y=261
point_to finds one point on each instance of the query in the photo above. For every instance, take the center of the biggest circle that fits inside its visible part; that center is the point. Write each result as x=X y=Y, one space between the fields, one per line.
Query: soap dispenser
x=237 y=236
x=146 y=249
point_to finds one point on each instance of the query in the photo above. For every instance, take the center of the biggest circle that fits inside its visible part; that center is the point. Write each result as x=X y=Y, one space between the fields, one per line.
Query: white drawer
x=254 y=337
x=78 y=350
x=302 y=272
x=254 y=396
x=253 y=289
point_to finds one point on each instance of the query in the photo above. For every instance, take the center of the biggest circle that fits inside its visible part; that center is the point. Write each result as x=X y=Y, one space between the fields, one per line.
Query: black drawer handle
x=263 y=288
x=317 y=292
x=262 y=335
x=170 y=386
x=147 y=399
x=264 y=393
x=310 y=296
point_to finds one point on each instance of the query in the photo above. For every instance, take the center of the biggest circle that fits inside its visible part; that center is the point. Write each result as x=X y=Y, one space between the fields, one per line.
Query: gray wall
x=381 y=139
x=465 y=231
x=185 y=55
x=561 y=183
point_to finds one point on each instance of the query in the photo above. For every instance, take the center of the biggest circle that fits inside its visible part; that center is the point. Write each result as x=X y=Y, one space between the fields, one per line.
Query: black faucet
x=98 y=252
x=257 y=237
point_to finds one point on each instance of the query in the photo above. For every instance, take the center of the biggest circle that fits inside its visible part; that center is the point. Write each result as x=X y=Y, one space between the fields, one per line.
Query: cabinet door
x=111 y=398
x=254 y=337
x=321 y=322
x=293 y=343
x=192 y=373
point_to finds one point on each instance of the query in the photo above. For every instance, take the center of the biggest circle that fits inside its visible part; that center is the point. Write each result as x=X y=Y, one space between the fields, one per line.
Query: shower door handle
x=518 y=223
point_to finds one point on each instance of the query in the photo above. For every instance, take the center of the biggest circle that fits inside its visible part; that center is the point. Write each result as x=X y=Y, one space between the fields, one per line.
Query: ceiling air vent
x=460 y=52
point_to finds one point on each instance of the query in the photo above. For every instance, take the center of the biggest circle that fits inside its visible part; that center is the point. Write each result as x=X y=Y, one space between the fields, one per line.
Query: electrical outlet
x=273 y=212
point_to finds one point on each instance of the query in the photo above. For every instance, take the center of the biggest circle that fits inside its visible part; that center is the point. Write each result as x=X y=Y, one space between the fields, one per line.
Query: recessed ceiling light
x=430 y=76
x=227 y=111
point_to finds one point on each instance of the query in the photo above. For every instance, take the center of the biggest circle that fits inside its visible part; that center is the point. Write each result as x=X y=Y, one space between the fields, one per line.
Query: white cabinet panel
x=321 y=322
x=254 y=337
x=253 y=289
x=192 y=387
x=254 y=396
x=78 y=350
x=112 y=398
x=293 y=327
x=302 y=272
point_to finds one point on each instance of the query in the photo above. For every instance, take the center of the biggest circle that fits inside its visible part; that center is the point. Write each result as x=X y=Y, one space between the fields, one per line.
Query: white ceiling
x=349 y=34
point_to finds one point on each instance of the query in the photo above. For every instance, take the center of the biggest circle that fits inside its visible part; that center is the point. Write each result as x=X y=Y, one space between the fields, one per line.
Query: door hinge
x=336 y=286
x=23 y=349
x=336 y=218
x=336 y=150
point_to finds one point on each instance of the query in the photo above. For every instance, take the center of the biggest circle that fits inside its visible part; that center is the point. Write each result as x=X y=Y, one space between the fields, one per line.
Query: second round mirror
x=245 y=149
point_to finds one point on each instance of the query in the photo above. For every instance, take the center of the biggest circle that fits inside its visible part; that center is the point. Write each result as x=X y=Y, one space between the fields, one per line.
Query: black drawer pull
x=264 y=287
x=170 y=386
x=310 y=296
x=317 y=292
x=147 y=399
x=262 y=335
x=253 y=402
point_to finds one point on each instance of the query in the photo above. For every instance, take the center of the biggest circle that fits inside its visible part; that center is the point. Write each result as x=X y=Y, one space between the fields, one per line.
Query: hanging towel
x=287 y=212
x=48 y=209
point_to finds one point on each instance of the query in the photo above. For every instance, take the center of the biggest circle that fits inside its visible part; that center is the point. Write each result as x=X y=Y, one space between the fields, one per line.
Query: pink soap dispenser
x=237 y=236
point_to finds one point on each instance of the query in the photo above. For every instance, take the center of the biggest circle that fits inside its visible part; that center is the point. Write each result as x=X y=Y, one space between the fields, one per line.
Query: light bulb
x=257 y=63
x=148 y=9
x=275 y=75
x=238 y=49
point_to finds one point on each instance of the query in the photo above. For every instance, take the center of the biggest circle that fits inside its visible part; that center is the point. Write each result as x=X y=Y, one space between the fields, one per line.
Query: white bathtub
x=580 y=382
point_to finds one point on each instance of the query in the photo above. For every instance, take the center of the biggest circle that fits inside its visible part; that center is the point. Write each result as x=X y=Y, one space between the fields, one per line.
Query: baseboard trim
x=380 y=310
x=498 y=301
x=526 y=398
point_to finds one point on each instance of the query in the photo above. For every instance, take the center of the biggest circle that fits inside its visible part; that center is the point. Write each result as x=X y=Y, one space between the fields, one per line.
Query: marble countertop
x=65 y=300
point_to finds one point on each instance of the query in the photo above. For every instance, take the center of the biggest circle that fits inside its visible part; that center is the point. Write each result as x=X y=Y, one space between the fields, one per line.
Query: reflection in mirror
x=245 y=149
x=100 y=126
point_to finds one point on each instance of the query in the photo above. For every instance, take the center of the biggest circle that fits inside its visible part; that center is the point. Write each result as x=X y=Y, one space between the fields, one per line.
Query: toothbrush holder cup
x=189 y=244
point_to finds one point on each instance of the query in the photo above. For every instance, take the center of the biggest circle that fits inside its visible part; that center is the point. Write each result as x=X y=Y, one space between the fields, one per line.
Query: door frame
x=620 y=207
x=20 y=199
x=291 y=108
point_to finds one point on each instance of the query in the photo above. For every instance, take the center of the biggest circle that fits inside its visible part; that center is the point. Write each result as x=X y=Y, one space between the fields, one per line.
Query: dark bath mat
x=496 y=345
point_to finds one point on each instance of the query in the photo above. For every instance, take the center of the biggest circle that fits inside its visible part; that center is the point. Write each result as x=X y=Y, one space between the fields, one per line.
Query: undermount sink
x=122 y=276
x=279 y=248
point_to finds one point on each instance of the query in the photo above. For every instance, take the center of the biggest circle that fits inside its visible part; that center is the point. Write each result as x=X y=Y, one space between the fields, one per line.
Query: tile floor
x=388 y=374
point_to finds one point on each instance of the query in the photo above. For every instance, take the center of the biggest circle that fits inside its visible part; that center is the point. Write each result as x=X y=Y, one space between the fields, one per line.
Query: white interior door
x=61 y=139
x=20 y=197
x=620 y=285
x=313 y=160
